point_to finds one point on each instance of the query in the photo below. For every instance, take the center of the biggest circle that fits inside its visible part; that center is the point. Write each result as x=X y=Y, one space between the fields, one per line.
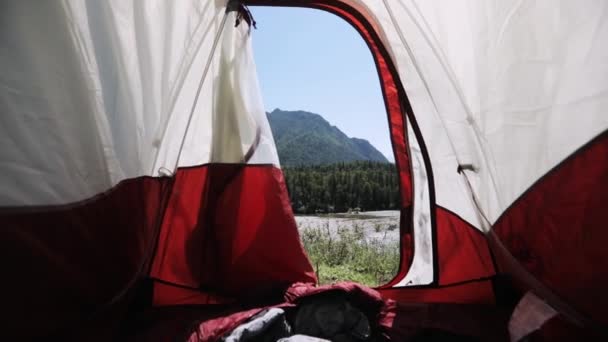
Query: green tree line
x=366 y=185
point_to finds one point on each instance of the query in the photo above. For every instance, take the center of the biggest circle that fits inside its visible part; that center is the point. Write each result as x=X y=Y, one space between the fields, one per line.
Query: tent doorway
x=325 y=107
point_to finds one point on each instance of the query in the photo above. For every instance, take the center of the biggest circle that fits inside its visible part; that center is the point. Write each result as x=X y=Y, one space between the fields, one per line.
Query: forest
x=343 y=186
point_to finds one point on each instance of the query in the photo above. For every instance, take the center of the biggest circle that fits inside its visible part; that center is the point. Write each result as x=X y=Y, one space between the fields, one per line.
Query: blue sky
x=314 y=61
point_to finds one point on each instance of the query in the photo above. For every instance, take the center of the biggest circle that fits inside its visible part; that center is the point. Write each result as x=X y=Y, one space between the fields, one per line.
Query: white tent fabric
x=109 y=94
x=421 y=269
x=510 y=87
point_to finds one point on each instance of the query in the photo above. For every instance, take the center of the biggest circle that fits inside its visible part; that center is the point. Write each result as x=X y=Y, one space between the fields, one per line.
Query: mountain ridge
x=305 y=138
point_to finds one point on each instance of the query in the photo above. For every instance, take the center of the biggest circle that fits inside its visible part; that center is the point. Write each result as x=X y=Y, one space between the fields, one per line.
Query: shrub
x=349 y=255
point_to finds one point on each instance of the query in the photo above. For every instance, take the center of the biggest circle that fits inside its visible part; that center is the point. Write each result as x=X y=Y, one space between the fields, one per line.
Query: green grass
x=349 y=256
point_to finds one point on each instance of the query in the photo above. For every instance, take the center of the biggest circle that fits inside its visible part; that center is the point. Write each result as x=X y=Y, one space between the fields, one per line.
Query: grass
x=350 y=256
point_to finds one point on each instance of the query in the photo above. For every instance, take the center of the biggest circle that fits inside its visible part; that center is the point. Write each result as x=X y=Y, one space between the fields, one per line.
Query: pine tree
x=366 y=184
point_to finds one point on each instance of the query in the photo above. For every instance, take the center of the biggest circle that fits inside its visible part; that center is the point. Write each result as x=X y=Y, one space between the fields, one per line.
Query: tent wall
x=110 y=91
x=515 y=90
x=570 y=263
x=107 y=108
x=511 y=88
x=229 y=228
x=229 y=233
x=64 y=265
x=105 y=88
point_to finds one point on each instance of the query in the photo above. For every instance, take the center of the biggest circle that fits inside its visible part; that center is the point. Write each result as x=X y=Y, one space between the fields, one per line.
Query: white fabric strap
x=529 y=315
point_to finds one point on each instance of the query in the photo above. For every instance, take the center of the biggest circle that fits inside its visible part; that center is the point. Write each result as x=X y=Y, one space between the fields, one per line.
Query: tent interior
x=142 y=195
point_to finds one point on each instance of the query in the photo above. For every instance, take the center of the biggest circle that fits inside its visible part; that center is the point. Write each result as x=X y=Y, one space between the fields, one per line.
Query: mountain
x=307 y=138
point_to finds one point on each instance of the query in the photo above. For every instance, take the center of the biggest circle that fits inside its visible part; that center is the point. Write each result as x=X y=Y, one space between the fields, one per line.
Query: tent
x=138 y=169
